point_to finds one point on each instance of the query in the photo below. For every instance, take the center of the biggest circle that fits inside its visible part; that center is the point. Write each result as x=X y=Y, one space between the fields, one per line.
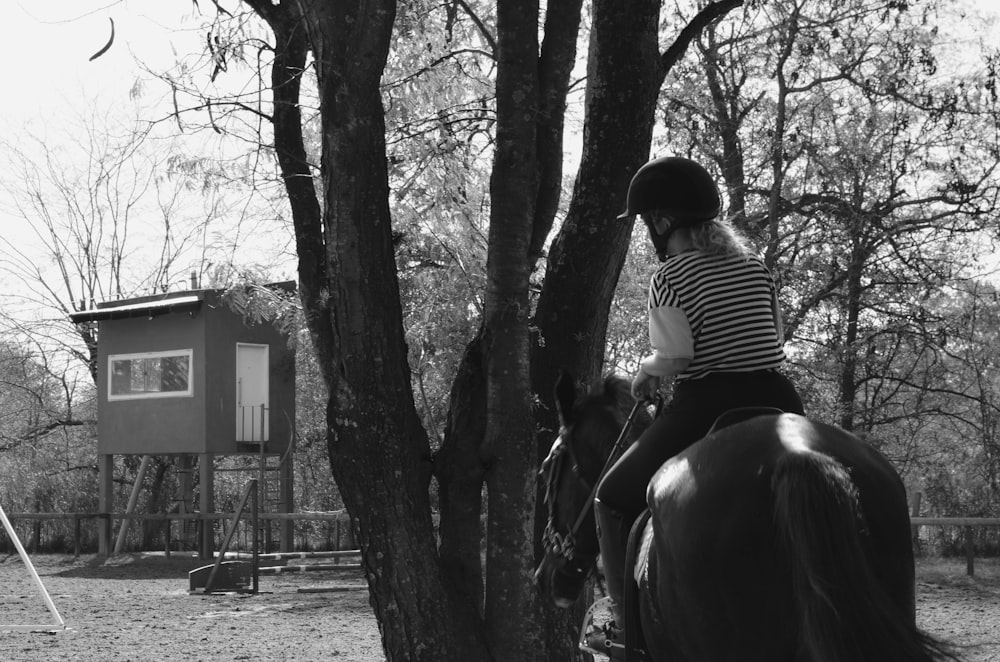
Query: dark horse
x=775 y=538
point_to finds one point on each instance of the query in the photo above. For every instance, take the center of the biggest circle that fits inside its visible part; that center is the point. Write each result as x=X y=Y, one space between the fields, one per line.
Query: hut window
x=149 y=375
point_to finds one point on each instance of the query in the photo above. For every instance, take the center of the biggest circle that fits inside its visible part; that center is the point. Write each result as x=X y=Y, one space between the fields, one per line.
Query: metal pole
x=247 y=491
x=132 y=500
x=34 y=576
x=254 y=523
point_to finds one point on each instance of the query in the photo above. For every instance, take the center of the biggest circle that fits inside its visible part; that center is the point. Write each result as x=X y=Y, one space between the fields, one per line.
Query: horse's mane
x=615 y=388
x=618 y=391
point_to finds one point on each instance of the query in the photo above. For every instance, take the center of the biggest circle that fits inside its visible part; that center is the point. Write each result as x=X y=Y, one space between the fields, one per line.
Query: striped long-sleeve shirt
x=716 y=311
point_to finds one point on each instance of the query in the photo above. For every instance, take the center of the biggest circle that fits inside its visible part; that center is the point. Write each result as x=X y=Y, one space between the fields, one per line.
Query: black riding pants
x=684 y=420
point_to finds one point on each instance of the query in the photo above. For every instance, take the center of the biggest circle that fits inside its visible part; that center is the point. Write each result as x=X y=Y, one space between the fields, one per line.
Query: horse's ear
x=565 y=396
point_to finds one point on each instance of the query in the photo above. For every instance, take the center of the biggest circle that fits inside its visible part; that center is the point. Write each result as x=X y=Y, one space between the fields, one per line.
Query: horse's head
x=589 y=427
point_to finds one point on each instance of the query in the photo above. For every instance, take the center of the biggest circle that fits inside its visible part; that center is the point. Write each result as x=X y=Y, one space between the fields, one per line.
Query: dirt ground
x=960 y=609
x=138 y=608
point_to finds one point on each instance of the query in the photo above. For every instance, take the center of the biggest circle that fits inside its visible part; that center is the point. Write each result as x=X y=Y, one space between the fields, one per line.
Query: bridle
x=563 y=543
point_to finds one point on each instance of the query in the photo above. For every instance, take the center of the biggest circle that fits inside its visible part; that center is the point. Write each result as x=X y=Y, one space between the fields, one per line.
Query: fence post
x=76 y=536
x=970 y=564
x=915 y=529
x=166 y=538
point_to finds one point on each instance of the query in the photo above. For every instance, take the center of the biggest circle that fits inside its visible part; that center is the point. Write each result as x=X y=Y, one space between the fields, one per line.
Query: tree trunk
x=624 y=78
x=727 y=118
x=379 y=452
x=511 y=602
x=625 y=73
x=555 y=64
x=462 y=462
x=460 y=471
x=290 y=52
x=848 y=388
x=778 y=146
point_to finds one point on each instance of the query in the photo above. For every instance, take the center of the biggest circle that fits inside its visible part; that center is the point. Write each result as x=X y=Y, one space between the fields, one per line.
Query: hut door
x=252 y=415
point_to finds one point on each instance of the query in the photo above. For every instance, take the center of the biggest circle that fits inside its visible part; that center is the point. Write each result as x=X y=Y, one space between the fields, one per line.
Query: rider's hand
x=645 y=386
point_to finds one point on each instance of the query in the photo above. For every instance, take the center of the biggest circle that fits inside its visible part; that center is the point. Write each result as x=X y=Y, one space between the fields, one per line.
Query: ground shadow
x=130 y=567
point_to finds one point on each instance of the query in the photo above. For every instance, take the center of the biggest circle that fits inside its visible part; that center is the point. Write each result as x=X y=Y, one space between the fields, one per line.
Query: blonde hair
x=719 y=237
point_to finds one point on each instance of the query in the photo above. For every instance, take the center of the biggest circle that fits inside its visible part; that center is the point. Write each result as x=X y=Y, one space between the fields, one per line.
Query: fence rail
x=328 y=517
x=337 y=518
x=968 y=524
x=955 y=521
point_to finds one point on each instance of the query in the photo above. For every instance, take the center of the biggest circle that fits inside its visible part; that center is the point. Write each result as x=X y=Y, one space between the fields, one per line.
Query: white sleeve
x=671 y=339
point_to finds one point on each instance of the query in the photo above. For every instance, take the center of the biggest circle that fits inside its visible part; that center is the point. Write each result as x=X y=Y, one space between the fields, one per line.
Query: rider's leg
x=613 y=529
x=621 y=495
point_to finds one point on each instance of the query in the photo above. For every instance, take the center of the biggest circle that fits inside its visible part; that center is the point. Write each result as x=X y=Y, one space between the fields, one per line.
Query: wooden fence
x=968 y=524
x=342 y=537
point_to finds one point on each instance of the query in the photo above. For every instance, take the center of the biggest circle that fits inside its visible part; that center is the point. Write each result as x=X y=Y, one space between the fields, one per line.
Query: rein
x=556 y=542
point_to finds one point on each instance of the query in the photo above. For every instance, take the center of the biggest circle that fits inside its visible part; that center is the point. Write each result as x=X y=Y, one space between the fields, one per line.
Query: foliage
x=856 y=152
x=31 y=403
x=861 y=154
x=439 y=147
x=46 y=449
x=258 y=302
x=628 y=332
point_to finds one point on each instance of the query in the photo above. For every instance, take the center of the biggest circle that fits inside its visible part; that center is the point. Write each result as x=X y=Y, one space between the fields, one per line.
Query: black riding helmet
x=677 y=187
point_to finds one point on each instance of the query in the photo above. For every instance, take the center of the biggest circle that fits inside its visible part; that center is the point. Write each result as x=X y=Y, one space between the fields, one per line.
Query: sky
x=47 y=48
x=50 y=77
x=52 y=80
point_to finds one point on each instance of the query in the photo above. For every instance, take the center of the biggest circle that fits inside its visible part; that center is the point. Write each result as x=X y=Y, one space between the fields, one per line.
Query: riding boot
x=613 y=529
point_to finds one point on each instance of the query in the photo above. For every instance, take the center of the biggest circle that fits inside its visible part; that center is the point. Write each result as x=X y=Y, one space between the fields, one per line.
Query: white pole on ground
x=60 y=623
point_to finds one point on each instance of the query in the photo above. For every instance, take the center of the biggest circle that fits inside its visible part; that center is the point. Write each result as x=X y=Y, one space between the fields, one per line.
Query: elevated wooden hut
x=182 y=374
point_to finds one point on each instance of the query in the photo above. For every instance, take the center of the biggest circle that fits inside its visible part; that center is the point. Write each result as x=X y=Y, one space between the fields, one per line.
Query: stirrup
x=614 y=650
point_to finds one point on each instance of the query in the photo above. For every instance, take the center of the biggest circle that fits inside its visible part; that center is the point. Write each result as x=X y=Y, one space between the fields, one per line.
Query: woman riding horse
x=714 y=328
x=773 y=539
